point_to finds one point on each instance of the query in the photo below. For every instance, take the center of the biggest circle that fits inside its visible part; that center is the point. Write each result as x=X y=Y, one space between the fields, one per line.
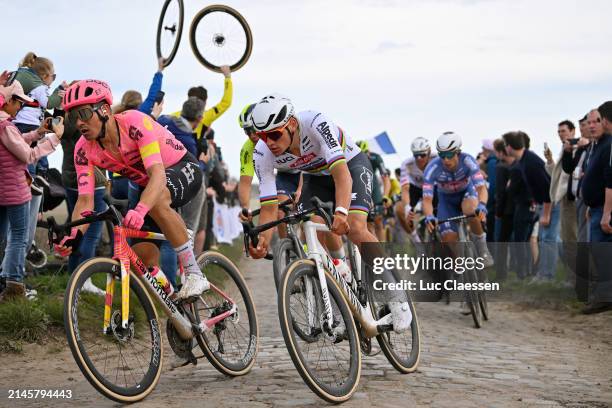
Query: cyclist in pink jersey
x=135 y=146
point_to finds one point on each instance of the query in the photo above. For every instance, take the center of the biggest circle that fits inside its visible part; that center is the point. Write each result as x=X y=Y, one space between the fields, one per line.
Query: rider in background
x=461 y=190
x=411 y=180
x=137 y=147
x=375 y=217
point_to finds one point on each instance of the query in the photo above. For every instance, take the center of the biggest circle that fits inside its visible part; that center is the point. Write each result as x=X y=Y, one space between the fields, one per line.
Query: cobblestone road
x=521 y=358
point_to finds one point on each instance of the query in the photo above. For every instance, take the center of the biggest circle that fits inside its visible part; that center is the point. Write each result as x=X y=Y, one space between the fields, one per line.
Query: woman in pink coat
x=15 y=195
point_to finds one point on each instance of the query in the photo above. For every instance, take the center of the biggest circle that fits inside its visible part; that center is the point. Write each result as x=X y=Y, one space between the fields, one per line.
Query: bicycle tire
x=307 y=268
x=403 y=365
x=472 y=297
x=282 y=257
x=243 y=23
x=74 y=333
x=482 y=298
x=168 y=60
x=244 y=362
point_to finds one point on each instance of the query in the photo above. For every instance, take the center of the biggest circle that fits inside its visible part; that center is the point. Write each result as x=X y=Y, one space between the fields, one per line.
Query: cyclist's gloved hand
x=135 y=218
x=69 y=242
x=431 y=222
x=481 y=209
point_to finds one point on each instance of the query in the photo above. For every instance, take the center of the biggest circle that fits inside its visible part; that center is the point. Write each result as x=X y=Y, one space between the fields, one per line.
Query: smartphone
x=546 y=146
x=573 y=141
x=160 y=97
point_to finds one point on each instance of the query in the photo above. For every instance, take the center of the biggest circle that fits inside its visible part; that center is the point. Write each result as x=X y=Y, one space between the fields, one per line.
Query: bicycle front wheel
x=231 y=343
x=329 y=361
x=122 y=364
x=284 y=253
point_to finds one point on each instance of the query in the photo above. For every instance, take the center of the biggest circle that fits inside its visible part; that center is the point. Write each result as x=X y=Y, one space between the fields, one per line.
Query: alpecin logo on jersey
x=303 y=160
x=323 y=129
x=134 y=133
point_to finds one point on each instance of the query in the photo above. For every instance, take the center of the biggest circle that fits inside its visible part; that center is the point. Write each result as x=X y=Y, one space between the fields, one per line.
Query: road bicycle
x=326 y=321
x=116 y=339
x=475 y=300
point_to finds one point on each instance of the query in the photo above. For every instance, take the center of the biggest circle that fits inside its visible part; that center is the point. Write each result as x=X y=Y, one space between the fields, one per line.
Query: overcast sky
x=412 y=68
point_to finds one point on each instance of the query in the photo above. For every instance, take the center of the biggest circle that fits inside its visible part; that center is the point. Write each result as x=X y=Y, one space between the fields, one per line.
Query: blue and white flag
x=381 y=144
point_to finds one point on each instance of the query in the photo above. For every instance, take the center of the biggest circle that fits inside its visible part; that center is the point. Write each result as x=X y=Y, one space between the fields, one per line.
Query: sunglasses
x=447 y=155
x=273 y=135
x=83 y=113
x=420 y=155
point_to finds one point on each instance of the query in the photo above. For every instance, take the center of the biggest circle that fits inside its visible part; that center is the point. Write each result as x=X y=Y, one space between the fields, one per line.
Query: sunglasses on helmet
x=273 y=135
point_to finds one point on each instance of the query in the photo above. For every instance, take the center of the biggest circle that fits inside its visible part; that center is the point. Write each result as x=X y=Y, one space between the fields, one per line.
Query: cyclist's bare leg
x=173 y=227
x=147 y=252
x=401 y=216
x=379 y=228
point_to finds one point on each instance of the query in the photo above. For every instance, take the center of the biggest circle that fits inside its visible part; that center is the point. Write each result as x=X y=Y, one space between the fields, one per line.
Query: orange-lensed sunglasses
x=273 y=135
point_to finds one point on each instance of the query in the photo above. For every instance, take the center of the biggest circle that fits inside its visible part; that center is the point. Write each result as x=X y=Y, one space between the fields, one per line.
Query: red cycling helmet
x=85 y=92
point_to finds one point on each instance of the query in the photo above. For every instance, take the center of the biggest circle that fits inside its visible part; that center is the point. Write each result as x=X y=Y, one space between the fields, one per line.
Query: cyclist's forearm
x=244 y=191
x=268 y=213
x=155 y=187
x=405 y=194
x=483 y=195
x=344 y=184
x=84 y=203
x=427 y=205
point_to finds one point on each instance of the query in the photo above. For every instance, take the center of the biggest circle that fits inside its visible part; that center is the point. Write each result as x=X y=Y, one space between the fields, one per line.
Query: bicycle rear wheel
x=122 y=364
x=329 y=364
x=219 y=35
x=230 y=344
x=169 y=30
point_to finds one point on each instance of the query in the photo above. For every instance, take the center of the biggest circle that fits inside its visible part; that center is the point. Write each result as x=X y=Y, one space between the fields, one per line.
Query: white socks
x=187 y=258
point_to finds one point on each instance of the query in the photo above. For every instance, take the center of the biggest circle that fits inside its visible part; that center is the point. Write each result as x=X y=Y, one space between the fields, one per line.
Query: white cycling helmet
x=272 y=112
x=244 y=119
x=448 y=142
x=420 y=145
x=275 y=95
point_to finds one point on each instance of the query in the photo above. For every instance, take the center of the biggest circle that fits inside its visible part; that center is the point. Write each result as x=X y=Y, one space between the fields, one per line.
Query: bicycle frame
x=323 y=262
x=128 y=259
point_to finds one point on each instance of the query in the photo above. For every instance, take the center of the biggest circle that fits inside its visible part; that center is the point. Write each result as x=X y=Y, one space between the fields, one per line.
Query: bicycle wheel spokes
x=219 y=36
x=122 y=363
x=231 y=343
x=329 y=364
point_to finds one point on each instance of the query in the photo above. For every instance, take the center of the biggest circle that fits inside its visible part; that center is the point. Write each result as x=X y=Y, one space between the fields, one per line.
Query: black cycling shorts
x=287 y=183
x=183 y=180
x=323 y=187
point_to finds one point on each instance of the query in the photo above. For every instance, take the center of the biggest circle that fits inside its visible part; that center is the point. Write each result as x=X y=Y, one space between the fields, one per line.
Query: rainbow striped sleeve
x=268 y=200
x=336 y=160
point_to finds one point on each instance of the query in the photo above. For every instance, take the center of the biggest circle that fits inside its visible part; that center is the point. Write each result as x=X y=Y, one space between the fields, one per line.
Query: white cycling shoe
x=402 y=316
x=89 y=286
x=194 y=285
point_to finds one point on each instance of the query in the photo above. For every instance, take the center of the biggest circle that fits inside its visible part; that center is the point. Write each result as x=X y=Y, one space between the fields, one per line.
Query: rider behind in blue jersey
x=461 y=190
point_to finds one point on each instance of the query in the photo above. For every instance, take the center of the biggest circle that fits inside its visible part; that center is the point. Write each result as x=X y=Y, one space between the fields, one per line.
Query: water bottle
x=343 y=269
x=162 y=280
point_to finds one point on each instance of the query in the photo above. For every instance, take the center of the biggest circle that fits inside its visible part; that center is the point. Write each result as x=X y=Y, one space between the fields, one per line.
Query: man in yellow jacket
x=209 y=116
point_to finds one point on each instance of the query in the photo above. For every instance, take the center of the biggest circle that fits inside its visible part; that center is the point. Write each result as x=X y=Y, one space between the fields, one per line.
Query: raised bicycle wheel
x=122 y=364
x=403 y=350
x=283 y=254
x=219 y=35
x=169 y=30
x=231 y=344
x=329 y=365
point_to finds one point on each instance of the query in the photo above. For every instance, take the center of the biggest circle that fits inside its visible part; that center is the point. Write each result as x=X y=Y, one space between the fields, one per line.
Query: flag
x=381 y=144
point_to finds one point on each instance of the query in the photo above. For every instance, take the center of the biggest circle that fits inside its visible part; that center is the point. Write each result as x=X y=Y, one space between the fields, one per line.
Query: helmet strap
x=102 y=133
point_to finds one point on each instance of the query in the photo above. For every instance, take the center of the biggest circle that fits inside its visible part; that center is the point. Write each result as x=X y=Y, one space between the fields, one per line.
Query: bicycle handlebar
x=251 y=233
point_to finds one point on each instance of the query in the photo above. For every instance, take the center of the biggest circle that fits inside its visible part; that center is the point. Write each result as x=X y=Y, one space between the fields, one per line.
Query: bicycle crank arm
x=210 y=323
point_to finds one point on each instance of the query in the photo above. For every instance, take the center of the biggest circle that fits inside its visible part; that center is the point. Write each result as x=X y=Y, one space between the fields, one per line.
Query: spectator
x=597 y=195
x=490 y=162
x=504 y=208
x=36 y=74
x=538 y=182
x=15 y=195
x=561 y=195
x=89 y=243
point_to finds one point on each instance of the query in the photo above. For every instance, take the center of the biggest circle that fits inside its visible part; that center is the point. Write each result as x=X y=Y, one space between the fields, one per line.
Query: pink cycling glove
x=135 y=218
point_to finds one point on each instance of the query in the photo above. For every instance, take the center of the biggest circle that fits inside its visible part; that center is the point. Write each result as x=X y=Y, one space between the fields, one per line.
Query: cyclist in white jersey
x=333 y=169
x=411 y=181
